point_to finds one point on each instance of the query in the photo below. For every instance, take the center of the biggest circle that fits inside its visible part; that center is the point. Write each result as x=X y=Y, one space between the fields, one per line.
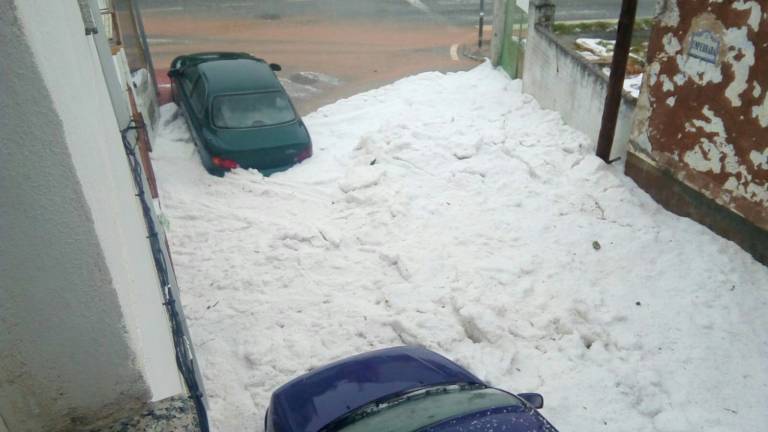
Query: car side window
x=190 y=78
x=197 y=97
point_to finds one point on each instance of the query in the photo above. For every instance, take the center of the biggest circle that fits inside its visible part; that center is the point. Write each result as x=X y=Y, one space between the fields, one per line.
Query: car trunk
x=267 y=158
x=265 y=147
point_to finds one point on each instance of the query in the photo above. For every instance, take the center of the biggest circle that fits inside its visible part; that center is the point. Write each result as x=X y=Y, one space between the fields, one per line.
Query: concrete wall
x=703 y=112
x=84 y=331
x=562 y=80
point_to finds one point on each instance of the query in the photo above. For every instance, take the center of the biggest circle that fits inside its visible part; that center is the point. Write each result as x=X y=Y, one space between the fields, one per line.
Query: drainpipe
x=616 y=80
x=482 y=24
x=116 y=93
x=144 y=45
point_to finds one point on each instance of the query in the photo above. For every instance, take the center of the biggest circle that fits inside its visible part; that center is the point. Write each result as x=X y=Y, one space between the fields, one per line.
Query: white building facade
x=85 y=336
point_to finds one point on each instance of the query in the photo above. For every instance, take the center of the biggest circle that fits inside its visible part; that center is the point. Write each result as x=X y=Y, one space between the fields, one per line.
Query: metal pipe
x=136 y=9
x=482 y=24
x=616 y=80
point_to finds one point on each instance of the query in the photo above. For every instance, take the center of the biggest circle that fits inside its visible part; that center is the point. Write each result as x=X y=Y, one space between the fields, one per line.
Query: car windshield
x=252 y=110
x=423 y=408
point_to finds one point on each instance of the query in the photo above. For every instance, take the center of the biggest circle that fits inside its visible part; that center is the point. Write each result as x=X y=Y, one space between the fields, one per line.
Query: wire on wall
x=182 y=343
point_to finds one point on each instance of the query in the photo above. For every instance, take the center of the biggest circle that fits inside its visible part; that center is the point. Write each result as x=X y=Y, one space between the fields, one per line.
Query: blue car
x=403 y=389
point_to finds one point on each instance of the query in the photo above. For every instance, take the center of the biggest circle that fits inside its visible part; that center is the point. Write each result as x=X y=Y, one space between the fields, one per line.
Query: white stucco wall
x=562 y=83
x=84 y=329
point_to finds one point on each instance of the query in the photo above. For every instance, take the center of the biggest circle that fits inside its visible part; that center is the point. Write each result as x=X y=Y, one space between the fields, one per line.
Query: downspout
x=108 y=69
x=616 y=80
x=135 y=9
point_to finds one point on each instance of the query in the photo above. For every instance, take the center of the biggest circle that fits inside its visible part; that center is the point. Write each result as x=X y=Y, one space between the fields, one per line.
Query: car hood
x=508 y=419
x=243 y=140
x=310 y=402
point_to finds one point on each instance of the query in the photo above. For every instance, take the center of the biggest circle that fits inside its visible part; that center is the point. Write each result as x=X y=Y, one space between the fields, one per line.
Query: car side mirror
x=173 y=73
x=275 y=67
x=533 y=399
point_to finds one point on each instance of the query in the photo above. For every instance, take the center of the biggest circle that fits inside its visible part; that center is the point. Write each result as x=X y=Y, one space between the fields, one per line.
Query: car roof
x=238 y=76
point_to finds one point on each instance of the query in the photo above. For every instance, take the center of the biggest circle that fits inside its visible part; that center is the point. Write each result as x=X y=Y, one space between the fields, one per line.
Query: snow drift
x=451 y=211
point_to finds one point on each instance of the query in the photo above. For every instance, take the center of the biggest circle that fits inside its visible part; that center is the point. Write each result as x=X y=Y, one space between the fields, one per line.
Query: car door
x=191 y=89
x=183 y=87
x=196 y=110
x=181 y=84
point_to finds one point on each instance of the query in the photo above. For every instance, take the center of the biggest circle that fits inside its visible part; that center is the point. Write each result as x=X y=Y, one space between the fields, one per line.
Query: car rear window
x=252 y=110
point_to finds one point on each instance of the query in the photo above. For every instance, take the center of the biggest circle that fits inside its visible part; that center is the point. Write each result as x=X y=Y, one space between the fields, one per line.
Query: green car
x=238 y=112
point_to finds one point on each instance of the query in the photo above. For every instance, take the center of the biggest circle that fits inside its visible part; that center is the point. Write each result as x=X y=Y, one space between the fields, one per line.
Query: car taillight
x=224 y=163
x=305 y=154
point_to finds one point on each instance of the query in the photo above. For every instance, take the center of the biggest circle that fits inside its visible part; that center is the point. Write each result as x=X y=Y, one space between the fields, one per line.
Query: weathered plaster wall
x=70 y=68
x=84 y=333
x=703 y=111
x=561 y=80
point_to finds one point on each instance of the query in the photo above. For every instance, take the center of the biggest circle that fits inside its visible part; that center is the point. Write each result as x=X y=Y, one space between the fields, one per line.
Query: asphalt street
x=456 y=12
x=343 y=46
x=329 y=49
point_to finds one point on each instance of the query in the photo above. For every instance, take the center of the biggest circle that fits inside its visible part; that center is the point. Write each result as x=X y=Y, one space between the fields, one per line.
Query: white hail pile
x=451 y=211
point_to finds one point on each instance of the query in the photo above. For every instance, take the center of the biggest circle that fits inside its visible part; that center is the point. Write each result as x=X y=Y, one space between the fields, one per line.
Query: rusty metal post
x=616 y=81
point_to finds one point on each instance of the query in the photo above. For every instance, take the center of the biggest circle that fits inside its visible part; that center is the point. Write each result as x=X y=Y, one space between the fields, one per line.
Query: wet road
x=598 y=9
x=454 y=12
x=331 y=49
x=457 y=12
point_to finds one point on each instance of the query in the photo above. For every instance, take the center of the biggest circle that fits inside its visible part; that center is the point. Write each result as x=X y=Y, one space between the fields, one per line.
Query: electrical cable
x=182 y=343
